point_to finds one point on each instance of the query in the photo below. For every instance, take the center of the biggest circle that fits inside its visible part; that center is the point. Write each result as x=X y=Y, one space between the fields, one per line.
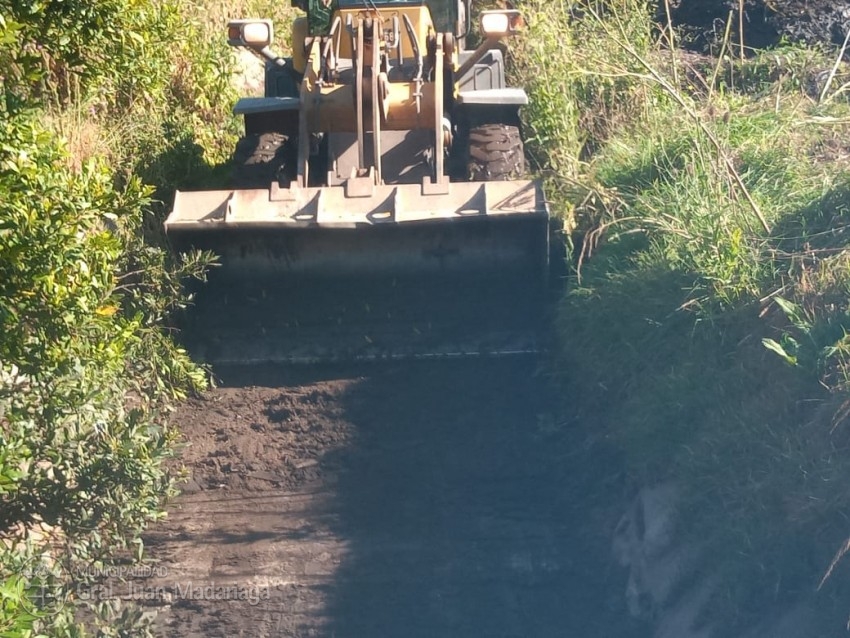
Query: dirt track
x=408 y=500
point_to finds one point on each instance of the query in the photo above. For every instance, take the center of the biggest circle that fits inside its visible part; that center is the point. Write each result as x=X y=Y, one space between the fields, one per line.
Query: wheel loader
x=378 y=206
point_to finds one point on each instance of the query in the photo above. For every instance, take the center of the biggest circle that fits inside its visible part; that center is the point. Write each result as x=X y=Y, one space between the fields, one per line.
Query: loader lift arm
x=396 y=166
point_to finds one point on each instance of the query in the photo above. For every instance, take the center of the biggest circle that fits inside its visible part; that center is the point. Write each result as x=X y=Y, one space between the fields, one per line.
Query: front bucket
x=396 y=274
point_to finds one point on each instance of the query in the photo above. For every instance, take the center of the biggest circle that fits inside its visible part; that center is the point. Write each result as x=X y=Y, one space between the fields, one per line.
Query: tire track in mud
x=424 y=499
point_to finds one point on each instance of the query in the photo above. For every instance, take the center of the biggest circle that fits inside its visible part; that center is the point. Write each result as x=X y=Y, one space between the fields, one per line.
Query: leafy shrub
x=86 y=367
x=81 y=426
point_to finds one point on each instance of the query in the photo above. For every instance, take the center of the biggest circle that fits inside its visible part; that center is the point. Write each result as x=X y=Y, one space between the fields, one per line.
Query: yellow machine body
x=374 y=98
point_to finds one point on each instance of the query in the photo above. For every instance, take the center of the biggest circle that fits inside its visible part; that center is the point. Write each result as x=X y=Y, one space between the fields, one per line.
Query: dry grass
x=193 y=107
x=85 y=136
x=216 y=14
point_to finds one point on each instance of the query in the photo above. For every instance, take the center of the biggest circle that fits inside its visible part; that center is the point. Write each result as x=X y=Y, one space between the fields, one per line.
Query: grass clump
x=705 y=325
x=573 y=111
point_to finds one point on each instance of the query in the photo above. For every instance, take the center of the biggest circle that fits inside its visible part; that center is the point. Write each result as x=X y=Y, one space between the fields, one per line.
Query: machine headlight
x=249 y=33
x=500 y=23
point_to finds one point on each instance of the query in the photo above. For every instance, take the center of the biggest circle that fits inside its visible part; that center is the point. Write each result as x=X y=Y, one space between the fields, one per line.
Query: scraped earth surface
x=423 y=499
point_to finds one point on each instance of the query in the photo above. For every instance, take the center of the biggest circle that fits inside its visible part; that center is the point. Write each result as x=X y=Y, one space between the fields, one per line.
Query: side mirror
x=254 y=34
x=497 y=24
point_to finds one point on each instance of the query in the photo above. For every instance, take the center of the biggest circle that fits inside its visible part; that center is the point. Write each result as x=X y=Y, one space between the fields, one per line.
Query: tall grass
x=705 y=325
x=575 y=102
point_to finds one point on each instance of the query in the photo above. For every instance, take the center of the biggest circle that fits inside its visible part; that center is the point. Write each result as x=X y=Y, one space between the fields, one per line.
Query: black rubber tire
x=495 y=152
x=259 y=160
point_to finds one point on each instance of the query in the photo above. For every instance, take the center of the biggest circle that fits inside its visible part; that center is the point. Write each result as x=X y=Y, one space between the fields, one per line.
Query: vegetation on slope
x=105 y=107
x=705 y=327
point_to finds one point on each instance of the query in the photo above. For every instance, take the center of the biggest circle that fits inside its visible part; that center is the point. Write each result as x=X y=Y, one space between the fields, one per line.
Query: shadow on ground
x=425 y=499
x=454 y=493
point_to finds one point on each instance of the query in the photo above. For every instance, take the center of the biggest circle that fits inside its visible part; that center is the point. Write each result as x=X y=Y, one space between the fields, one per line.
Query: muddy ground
x=409 y=499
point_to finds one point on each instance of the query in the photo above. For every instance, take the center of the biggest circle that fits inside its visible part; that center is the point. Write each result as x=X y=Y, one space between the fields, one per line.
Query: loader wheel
x=259 y=160
x=495 y=153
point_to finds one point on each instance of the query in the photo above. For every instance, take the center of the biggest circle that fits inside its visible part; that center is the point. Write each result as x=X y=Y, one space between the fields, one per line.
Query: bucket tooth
x=370 y=244
x=319 y=275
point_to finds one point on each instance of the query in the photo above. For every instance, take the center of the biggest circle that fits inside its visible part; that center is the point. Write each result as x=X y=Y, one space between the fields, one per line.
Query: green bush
x=84 y=366
x=87 y=368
